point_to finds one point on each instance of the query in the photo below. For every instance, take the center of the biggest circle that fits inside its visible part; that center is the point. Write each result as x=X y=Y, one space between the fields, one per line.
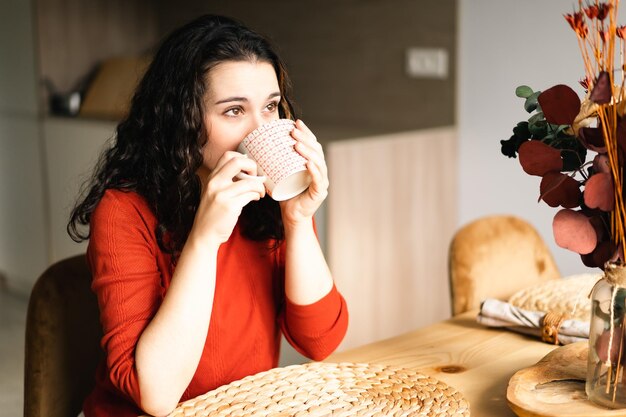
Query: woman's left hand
x=301 y=208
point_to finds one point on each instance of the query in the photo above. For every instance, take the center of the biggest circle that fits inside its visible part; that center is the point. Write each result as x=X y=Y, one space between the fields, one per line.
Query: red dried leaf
x=558 y=189
x=560 y=104
x=601 y=93
x=573 y=230
x=592 y=138
x=602 y=231
x=610 y=340
x=605 y=251
x=601 y=164
x=537 y=158
x=599 y=192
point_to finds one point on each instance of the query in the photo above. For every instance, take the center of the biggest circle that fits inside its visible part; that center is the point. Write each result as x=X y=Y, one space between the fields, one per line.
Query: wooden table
x=477 y=361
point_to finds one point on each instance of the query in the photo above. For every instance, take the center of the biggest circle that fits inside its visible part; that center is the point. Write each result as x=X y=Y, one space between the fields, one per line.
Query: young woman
x=197 y=272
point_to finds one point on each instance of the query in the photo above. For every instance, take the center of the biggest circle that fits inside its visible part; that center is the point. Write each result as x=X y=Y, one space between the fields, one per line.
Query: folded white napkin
x=496 y=313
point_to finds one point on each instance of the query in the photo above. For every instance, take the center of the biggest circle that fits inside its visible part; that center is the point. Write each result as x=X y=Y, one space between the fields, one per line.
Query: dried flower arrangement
x=554 y=142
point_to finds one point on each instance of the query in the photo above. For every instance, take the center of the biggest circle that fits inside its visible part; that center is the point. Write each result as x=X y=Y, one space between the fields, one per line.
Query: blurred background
x=347 y=61
x=410 y=99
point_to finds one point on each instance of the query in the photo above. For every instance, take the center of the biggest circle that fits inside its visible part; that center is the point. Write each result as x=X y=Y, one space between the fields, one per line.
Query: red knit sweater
x=131 y=276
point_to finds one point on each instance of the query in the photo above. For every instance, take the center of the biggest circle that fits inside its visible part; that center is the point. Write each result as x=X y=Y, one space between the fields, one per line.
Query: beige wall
x=346 y=58
x=23 y=234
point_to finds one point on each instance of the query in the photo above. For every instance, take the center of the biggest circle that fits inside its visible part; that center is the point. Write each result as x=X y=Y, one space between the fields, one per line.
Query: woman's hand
x=301 y=208
x=184 y=316
x=224 y=196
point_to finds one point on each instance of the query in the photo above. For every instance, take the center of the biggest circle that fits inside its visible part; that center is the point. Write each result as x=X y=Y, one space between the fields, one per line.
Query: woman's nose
x=257 y=120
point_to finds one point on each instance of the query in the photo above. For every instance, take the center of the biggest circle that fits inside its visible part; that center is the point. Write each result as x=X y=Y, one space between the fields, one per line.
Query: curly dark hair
x=157 y=149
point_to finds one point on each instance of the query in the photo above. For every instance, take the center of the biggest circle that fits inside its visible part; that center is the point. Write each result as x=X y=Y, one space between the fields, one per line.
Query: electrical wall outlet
x=427 y=63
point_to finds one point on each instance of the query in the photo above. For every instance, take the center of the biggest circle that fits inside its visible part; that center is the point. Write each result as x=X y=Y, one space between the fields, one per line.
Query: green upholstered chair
x=63 y=335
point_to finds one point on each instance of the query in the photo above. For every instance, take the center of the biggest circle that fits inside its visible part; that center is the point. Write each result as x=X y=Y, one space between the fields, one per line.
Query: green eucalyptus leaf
x=531 y=102
x=560 y=129
x=539 y=129
x=521 y=130
x=537 y=117
x=523 y=91
x=510 y=146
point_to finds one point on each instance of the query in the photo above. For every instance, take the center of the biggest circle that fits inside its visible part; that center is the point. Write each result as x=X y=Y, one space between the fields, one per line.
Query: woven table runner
x=330 y=389
x=568 y=296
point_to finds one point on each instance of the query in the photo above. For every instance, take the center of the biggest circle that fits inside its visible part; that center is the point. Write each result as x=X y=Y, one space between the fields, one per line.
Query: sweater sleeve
x=126 y=280
x=314 y=330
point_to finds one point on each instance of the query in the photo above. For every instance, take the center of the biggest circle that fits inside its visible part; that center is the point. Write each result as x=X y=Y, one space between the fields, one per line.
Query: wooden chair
x=494 y=257
x=63 y=335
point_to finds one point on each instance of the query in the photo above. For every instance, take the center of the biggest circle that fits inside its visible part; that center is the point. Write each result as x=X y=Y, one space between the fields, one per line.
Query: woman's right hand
x=185 y=313
x=223 y=197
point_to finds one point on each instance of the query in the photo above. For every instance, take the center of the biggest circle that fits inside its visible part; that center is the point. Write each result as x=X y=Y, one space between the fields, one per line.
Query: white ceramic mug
x=272 y=148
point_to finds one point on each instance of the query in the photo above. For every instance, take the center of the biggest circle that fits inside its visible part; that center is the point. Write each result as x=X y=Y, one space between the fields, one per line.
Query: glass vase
x=606 y=383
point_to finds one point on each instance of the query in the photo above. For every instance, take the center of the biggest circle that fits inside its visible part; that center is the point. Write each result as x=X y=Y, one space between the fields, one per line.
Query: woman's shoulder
x=122 y=218
x=126 y=204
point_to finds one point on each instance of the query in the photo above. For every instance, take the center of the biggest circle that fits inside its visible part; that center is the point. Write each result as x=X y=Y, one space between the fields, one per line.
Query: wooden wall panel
x=391 y=215
x=75 y=35
x=347 y=58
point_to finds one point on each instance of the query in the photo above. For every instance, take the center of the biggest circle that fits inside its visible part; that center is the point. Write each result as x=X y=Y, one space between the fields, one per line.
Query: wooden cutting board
x=555 y=387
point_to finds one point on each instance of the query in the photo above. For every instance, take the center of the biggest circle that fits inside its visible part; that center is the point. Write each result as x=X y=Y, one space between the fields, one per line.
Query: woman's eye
x=272 y=106
x=235 y=111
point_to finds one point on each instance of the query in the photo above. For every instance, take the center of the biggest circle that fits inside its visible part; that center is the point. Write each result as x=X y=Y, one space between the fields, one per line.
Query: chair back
x=494 y=257
x=63 y=335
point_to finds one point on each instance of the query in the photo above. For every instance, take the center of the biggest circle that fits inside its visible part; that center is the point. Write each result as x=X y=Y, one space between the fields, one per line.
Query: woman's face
x=241 y=96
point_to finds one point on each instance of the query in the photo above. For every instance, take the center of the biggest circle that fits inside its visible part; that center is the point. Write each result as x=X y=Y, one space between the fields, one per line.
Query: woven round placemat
x=568 y=296
x=330 y=389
